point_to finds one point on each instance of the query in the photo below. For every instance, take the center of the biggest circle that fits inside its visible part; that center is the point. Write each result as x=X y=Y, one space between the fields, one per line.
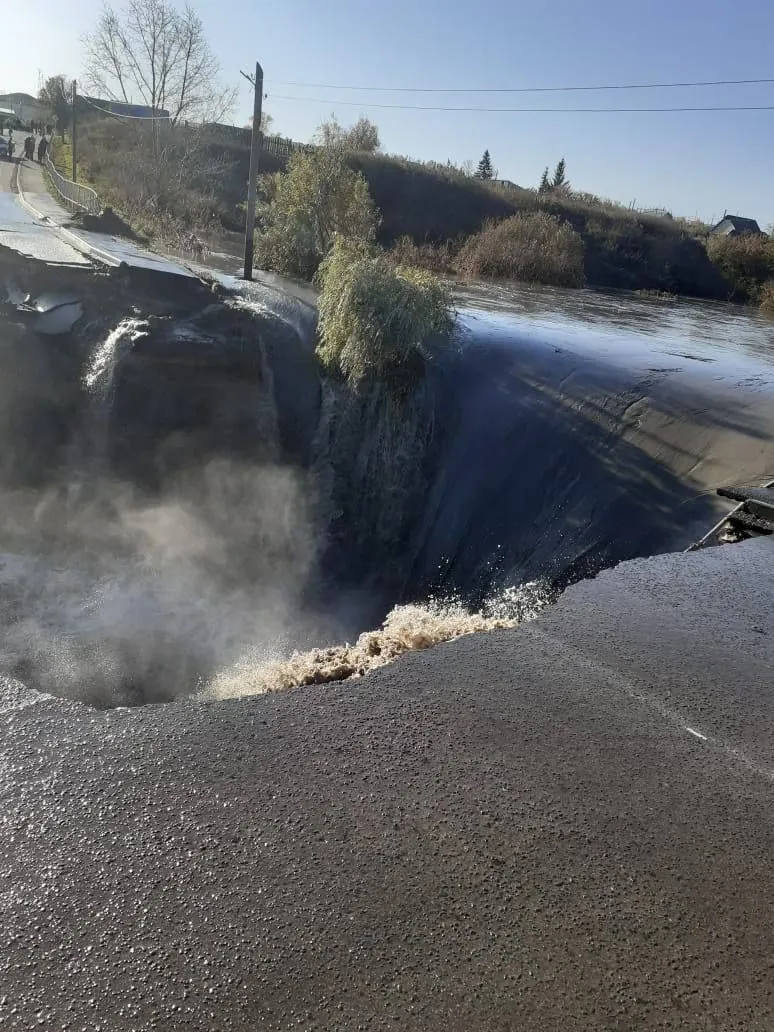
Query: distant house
x=507 y=183
x=735 y=225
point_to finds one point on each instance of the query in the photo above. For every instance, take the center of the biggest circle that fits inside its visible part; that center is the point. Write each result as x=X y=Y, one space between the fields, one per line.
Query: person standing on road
x=29 y=148
x=11 y=145
x=42 y=148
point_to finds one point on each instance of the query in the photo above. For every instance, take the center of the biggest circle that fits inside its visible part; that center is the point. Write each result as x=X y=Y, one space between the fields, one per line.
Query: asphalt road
x=565 y=826
x=20 y=231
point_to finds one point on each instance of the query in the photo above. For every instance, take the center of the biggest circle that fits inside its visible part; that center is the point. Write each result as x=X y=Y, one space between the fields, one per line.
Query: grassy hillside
x=427 y=211
x=623 y=249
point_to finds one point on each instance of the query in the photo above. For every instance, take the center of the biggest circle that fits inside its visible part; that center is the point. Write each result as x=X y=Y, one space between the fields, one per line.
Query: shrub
x=318 y=198
x=375 y=318
x=167 y=183
x=746 y=262
x=766 y=297
x=535 y=247
x=437 y=258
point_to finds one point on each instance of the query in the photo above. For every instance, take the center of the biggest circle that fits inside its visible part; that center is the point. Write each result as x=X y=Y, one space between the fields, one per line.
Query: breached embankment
x=564 y=826
x=188 y=501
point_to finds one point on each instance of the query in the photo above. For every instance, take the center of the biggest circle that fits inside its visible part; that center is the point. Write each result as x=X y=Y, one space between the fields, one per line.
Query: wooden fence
x=277 y=146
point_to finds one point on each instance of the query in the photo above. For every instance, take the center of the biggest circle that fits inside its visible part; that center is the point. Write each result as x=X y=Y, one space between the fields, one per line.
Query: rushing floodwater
x=185 y=502
x=625 y=325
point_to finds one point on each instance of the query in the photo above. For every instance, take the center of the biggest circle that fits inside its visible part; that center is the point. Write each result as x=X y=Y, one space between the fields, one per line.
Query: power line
x=118 y=114
x=523 y=110
x=529 y=89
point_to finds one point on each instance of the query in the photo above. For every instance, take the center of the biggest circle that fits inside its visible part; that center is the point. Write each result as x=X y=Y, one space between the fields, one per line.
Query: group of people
x=29 y=147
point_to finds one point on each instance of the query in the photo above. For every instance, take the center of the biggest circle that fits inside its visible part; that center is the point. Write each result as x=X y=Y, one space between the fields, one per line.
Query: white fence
x=80 y=198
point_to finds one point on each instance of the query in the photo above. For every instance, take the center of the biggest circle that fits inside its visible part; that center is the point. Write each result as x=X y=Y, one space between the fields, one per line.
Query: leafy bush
x=375 y=318
x=746 y=262
x=535 y=247
x=318 y=198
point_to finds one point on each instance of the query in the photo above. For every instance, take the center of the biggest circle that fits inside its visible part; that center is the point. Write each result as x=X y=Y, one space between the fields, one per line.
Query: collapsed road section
x=568 y=825
x=563 y=824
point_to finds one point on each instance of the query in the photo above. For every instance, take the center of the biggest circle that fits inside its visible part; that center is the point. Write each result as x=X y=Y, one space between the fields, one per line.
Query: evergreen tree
x=560 y=181
x=484 y=170
x=545 y=182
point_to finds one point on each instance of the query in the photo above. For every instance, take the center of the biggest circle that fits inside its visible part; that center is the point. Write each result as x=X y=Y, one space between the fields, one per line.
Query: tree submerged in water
x=377 y=319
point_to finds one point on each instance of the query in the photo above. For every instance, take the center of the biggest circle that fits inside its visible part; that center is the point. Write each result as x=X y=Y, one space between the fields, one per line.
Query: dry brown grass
x=438 y=258
x=766 y=297
x=746 y=263
x=165 y=188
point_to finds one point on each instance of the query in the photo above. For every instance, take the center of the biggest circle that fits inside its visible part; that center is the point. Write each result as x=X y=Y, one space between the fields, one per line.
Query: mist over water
x=116 y=599
x=188 y=508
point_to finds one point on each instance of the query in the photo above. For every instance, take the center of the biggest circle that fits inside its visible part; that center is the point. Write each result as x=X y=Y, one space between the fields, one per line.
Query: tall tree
x=560 y=181
x=151 y=53
x=484 y=170
x=56 y=93
x=545 y=182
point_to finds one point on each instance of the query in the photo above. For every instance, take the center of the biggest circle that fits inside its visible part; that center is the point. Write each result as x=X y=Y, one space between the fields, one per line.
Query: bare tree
x=152 y=54
x=267 y=121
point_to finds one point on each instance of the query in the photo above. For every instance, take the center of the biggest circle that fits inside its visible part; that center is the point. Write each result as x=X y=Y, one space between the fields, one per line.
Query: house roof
x=740 y=224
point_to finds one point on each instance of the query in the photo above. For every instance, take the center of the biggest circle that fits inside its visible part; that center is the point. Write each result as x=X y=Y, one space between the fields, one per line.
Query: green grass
x=62 y=157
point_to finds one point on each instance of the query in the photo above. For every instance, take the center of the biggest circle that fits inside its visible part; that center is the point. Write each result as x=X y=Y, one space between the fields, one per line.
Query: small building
x=735 y=225
x=23 y=108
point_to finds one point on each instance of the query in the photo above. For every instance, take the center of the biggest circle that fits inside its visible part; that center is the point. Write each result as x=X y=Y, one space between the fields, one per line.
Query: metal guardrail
x=81 y=198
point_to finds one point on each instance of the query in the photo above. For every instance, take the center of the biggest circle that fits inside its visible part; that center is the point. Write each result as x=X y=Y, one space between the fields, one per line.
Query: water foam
x=407 y=628
x=127 y=333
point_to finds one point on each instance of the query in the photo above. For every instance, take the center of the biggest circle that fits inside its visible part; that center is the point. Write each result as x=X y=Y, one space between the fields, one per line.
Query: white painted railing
x=81 y=198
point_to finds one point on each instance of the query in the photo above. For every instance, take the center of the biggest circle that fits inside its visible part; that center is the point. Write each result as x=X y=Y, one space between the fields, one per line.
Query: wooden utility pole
x=252 y=183
x=74 y=140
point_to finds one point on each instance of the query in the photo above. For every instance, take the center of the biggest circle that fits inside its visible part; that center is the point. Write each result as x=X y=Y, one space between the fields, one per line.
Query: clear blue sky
x=693 y=163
